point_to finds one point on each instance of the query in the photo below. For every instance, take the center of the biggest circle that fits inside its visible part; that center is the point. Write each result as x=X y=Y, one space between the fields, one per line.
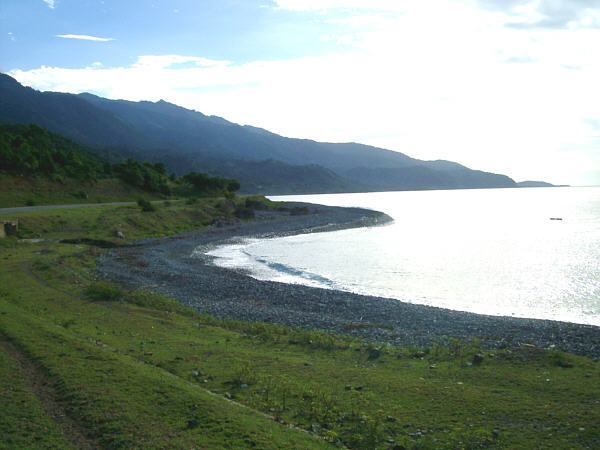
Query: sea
x=526 y=252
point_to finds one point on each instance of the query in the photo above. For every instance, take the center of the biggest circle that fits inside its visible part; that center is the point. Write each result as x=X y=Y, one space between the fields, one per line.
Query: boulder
x=477 y=358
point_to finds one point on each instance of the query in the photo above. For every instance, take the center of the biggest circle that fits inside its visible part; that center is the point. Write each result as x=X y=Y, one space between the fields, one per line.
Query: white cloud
x=84 y=37
x=166 y=61
x=548 y=14
x=50 y=3
x=567 y=14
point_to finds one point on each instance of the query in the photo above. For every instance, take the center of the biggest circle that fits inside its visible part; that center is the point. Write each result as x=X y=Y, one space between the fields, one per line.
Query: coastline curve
x=168 y=266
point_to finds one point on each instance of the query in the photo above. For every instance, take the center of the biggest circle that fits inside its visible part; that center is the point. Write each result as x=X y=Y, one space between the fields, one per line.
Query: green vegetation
x=203 y=183
x=135 y=369
x=146 y=176
x=102 y=222
x=30 y=191
x=145 y=205
x=40 y=167
x=23 y=423
x=31 y=150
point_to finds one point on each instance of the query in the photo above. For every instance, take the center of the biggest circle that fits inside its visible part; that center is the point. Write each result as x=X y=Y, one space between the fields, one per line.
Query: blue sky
x=506 y=86
x=236 y=30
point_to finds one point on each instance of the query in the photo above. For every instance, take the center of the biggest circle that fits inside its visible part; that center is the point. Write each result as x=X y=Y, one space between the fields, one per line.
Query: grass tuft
x=104 y=291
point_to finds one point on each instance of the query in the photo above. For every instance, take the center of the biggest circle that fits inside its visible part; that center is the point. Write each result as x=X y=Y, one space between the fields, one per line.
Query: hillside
x=269 y=176
x=41 y=167
x=65 y=114
x=163 y=131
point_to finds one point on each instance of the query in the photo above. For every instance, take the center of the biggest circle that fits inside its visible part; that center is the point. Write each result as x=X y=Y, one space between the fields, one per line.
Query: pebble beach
x=177 y=267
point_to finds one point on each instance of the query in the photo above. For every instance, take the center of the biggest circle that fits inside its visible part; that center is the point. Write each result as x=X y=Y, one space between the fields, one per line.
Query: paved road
x=39 y=208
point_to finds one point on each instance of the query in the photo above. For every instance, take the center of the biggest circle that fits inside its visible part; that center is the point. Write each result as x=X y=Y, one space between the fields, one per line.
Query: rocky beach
x=177 y=267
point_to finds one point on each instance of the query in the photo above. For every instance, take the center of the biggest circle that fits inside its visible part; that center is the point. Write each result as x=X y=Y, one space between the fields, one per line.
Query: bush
x=103 y=291
x=145 y=205
x=38 y=264
x=257 y=203
x=561 y=359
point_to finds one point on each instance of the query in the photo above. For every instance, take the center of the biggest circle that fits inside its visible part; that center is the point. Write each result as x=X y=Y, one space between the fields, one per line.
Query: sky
x=506 y=86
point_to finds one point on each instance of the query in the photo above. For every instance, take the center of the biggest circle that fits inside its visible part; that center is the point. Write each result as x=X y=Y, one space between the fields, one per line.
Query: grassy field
x=28 y=191
x=101 y=222
x=88 y=364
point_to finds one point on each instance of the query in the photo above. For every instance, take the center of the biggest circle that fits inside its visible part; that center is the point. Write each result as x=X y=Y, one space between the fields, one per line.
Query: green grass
x=101 y=222
x=137 y=369
x=30 y=191
x=23 y=421
x=119 y=398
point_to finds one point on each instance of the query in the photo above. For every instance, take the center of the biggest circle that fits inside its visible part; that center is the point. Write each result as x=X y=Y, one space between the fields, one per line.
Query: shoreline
x=166 y=266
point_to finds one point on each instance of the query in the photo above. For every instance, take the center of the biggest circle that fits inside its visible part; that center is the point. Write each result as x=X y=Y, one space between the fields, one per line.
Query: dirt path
x=27 y=269
x=44 y=388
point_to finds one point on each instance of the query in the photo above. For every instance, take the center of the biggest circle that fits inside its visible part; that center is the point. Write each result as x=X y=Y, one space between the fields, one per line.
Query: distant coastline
x=527 y=184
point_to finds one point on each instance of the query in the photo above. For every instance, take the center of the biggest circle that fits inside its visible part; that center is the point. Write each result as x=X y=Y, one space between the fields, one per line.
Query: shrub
x=145 y=205
x=103 y=291
x=561 y=359
x=38 y=264
x=257 y=202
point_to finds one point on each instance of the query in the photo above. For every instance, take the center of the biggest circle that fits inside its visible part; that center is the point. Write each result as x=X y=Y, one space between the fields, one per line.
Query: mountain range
x=262 y=161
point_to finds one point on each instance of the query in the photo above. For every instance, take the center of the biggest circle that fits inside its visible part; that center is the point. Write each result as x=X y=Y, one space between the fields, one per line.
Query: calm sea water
x=493 y=251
